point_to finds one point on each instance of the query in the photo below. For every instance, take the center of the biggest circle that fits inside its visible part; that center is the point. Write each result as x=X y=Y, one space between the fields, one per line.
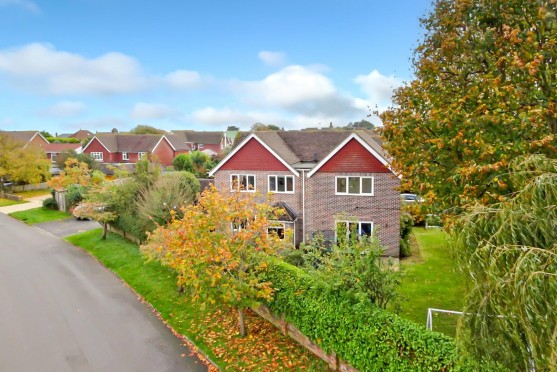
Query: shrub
x=406 y=223
x=74 y=195
x=366 y=337
x=50 y=203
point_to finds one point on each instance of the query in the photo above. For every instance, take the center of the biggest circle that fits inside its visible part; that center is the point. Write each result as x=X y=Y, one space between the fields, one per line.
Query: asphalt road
x=60 y=310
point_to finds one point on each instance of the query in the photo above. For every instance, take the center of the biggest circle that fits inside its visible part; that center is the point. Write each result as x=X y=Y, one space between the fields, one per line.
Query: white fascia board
x=246 y=140
x=339 y=147
x=102 y=144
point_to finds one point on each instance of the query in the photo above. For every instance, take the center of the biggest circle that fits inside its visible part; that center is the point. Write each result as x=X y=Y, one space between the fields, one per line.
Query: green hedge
x=366 y=337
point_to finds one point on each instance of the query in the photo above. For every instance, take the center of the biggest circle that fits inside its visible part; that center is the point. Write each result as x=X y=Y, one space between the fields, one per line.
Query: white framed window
x=53 y=157
x=281 y=184
x=353 y=185
x=238 y=225
x=349 y=228
x=125 y=156
x=276 y=228
x=200 y=146
x=140 y=155
x=242 y=182
x=98 y=156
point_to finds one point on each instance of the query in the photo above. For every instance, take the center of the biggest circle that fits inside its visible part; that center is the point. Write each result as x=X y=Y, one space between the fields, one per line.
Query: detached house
x=207 y=142
x=117 y=148
x=27 y=138
x=321 y=179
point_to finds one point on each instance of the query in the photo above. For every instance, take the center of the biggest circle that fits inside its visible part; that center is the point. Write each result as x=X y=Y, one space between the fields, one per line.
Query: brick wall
x=383 y=209
x=222 y=182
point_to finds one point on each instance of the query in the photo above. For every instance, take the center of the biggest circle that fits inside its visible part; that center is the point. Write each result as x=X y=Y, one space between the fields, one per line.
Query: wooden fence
x=290 y=330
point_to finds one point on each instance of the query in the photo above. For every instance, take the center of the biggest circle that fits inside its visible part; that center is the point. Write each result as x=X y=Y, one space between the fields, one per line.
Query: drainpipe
x=303 y=206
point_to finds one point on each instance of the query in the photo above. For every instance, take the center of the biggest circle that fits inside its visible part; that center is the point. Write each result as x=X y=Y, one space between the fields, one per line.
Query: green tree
x=17 y=164
x=217 y=249
x=484 y=93
x=182 y=162
x=146 y=129
x=509 y=253
x=232 y=128
x=261 y=127
x=166 y=197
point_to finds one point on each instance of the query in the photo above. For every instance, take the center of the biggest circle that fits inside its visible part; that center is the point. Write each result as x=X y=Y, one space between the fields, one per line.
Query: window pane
x=280 y=184
x=341 y=184
x=290 y=184
x=251 y=183
x=366 y=185
x=234 y=185
x=353 y=185
x=352 y=230
x=272 y=183
x=365 y=228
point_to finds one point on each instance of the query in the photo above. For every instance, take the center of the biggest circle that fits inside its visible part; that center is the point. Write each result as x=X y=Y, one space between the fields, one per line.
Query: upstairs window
x=354 y=185
x=281 y=184
x=98 y=156
x=140 y=155
x=242 y=182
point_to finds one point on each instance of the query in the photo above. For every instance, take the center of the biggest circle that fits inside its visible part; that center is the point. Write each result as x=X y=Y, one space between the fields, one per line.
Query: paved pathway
x=62 y=311
x=34 y=202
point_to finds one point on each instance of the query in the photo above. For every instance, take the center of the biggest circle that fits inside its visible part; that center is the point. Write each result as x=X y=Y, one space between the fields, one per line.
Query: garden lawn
x=432 y=281
x=213 y=329
x=38 y=215
x=5 y=202
x=32 y=193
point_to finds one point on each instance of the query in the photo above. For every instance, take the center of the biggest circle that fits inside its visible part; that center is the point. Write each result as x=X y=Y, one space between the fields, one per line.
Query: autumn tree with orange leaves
x=484 y=93
x=218 y=247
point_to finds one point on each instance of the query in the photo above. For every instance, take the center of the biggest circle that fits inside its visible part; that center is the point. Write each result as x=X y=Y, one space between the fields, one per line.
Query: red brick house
x=115 y=148
x=53 y=149
x=321 y=179
x=207 y=142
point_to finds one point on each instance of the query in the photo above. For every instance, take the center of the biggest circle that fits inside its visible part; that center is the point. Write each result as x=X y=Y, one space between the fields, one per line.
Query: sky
x=67 y=65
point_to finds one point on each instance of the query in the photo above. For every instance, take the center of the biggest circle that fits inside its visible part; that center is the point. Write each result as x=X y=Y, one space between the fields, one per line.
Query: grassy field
x=38 y=215
x=213 y=330
x=431 y=281
x=5 y=202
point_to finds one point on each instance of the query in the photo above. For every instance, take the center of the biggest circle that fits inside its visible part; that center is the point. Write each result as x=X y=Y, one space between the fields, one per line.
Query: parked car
x=411 y=198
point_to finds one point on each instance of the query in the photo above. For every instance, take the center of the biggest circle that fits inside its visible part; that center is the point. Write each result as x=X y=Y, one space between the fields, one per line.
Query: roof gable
x=352 y=153
x=99 y=141
x=245 y=150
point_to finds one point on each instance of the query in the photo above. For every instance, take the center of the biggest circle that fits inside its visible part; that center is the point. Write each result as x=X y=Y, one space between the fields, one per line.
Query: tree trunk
x=105 y=227
x=241 y=322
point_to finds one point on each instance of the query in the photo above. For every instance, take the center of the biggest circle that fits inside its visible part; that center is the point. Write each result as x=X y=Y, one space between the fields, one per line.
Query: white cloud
x=143 y=111
x=272 y=58
x=300 y=90
x=28 y=5
x=41 y=67
x=228 y=116
x=65 y=108
x=378 y=87
x=183 y=79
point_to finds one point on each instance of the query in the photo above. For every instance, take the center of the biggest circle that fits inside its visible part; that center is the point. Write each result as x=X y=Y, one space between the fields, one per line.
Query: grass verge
x=212 y=329
x=432 y=281
x=6 y=202
x=38 y=215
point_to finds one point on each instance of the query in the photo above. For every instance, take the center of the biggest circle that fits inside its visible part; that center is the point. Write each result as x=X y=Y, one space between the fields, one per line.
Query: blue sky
x=67 y=65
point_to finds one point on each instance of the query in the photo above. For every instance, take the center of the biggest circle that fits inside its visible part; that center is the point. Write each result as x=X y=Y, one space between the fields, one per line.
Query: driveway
x=62 y=311
x=67 y=227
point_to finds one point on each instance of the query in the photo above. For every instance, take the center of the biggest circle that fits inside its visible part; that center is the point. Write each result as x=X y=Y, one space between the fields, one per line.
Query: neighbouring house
x=80 y=134
x=207 y=142
x=53 y=149
x=115 y=148
x=321 y=179
x=228 y=138
x=27 y=138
